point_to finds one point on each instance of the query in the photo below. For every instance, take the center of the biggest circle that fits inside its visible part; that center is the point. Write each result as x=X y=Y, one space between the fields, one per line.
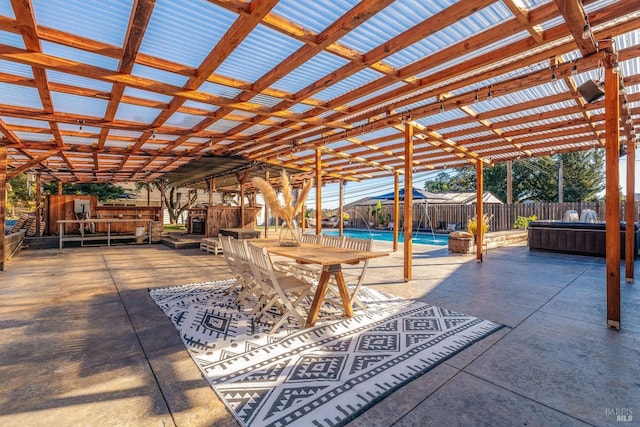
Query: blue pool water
x=387 y=236
x=8 y=224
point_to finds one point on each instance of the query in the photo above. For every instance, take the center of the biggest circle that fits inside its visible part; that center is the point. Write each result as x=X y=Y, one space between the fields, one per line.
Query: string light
x=574 y=69
x=475 y=99
x=489 y=94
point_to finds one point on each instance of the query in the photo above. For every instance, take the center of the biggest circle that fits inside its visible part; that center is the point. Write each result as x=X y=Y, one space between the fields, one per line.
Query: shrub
x=472 y=224
x=523 y=221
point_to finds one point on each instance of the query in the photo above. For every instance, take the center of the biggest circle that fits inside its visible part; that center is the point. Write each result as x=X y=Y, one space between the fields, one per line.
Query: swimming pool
x=387 y=236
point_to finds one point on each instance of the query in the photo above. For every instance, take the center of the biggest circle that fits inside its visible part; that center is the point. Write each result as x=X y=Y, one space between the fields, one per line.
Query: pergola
x=335 y=90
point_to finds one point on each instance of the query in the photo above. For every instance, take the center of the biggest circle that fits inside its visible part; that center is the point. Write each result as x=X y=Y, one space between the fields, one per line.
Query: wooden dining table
x=331 y=260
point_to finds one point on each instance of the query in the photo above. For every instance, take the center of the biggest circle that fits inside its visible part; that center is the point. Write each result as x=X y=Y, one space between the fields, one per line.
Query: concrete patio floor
x=83 y=344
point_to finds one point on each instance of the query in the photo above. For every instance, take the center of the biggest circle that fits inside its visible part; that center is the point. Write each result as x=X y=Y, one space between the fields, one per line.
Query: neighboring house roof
x=456 y=198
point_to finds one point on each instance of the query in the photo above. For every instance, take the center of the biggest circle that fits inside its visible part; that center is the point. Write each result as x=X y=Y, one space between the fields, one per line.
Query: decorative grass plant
x=288 y=209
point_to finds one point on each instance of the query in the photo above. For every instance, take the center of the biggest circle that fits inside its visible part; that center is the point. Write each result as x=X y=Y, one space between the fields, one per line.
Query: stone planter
x=461 y=245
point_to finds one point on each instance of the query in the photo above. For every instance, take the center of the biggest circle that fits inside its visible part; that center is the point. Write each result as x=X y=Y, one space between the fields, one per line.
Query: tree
x=172 y=199
x=534 y=179
x=20 y=193
x=103 y=190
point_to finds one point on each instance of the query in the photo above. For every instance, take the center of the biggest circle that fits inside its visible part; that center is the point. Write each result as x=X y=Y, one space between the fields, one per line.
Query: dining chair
x=310 y=238
x=237 y=258
x=356 y=272
x=333 y=241
x=308 y=272
x=283 y=291
x=287 y=265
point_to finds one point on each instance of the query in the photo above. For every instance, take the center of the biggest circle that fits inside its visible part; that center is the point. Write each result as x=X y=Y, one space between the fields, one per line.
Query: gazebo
x=337 y=91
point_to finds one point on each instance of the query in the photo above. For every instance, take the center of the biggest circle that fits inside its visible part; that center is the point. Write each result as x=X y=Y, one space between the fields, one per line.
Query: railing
x=503 y=216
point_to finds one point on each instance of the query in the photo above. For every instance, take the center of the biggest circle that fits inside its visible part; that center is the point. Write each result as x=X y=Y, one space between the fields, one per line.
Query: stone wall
x=12 y=242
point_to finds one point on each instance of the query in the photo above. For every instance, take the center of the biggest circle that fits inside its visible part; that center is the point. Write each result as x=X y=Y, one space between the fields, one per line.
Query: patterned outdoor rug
x=321 y=376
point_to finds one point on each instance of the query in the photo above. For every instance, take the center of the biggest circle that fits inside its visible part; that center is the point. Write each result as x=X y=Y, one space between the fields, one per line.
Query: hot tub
x=581 y=238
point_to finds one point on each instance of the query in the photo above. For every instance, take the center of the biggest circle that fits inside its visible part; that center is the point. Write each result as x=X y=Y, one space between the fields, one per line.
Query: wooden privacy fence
x=503 y=216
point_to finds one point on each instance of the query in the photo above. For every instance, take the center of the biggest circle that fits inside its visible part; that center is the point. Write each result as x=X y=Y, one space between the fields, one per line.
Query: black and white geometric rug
x=321 y=376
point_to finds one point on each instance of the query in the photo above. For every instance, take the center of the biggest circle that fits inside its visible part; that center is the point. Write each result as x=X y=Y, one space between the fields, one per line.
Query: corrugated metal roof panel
x=265 y=100
x=313 y=15
x=20 y=95
x=200 y=105
x=299 y=108
x=136 y=113
x=18 y=121
x=312 y=70
x=79 y=56
x=182 y=120
x=144 y=94
x=16 y=68
x=80 y=105
x=390 y=22
x=254 y=129
x=195 y=27
x=78 y=140
x=73 y=80
x=90 y=19
x=125 y=133
x=220 y=90
x=32 y=136
x=158 y=75
x=261 y=51
x=358 y=79
x=12 y=39
x=222 y=126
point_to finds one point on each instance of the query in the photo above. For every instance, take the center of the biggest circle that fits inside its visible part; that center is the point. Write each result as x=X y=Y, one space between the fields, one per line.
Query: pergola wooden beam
x=31 y=163
x=576 y=19
x=521 y=13
x=135 y=31
x=25 y=19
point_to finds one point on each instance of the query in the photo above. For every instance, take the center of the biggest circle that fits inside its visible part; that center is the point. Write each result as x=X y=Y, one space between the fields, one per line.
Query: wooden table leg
x=321 y=290
x=318 y=298
x=344 y=294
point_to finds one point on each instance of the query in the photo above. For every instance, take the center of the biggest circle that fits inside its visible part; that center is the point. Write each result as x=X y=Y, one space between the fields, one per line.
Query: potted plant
x=472 y=224
x=345 y=217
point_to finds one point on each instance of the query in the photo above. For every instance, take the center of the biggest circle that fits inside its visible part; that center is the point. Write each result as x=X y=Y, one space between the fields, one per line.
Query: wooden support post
x=266 y=208
x=396 y=209
x=479 y=211
x=408 y=201
x=59 y=188
x=163 y=189
x=340 y=210
x=3 y=202
x=148 y=194
x=509 y=182
x=210 y=184
x=242 y=179
x=39 y=206
x=241 y=206
x=612 y=198
x=630 y=212
x=318 y=191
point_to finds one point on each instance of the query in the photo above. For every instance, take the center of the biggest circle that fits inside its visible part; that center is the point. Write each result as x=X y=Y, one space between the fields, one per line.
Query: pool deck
x=83 y=344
